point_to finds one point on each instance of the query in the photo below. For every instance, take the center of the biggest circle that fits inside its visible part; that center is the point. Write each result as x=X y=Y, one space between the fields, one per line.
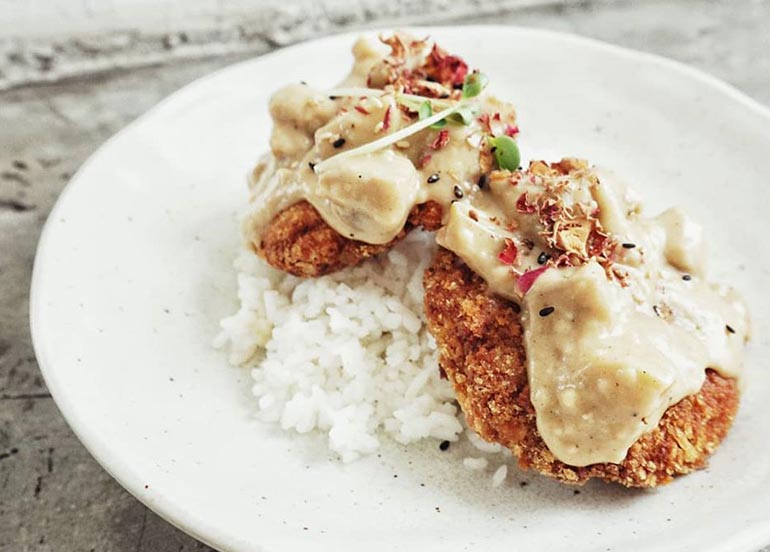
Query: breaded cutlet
x=480 y=340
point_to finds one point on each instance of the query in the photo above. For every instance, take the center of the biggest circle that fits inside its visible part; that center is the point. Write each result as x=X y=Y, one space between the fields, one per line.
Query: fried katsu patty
x=300 y=242
x=480 y=340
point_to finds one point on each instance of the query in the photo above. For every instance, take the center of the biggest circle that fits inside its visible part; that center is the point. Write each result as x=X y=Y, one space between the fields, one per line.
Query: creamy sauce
x=367 y=197
x=606 y=355
x=619 y=320
x=601 y=371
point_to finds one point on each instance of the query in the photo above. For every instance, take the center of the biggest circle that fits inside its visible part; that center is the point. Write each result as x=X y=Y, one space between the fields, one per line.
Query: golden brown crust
x=480 y=339
x=300 y=242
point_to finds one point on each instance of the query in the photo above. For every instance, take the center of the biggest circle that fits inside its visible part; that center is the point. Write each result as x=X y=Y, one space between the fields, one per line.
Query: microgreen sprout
x=461 y=112
x=506 y=152
x=389 y=139
x=426 y=110
x=474 y=84
x=465 y=114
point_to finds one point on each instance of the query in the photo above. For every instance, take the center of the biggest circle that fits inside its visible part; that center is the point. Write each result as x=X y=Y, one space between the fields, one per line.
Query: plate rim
x=751 y=538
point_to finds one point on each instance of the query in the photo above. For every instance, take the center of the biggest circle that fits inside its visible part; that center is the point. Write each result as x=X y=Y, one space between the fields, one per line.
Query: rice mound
x=348 y=354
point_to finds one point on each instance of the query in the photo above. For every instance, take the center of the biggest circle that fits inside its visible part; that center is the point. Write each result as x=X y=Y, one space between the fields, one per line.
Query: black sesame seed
x=482 y=182
x=686 y=277
x=629 y=245
x=433 y=178
x=311 y=165
x=458 y=192
x=729 y=328
x=656 y=308
x=339 y=142
x=444 y=445
x=545 y=311
x=543 y=258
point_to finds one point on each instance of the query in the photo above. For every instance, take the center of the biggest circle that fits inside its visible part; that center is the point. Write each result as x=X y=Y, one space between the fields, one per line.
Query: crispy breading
x=480 y=340
x=300 y=242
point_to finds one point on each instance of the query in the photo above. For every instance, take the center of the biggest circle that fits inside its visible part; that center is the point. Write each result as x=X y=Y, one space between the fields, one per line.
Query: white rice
x=347 y=354
x=499 y=476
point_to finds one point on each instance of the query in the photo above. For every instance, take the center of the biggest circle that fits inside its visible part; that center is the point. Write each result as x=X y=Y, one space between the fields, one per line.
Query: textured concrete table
x=53 y=496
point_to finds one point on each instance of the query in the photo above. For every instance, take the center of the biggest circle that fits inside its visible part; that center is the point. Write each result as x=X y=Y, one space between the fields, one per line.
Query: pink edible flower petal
x=527 y=279
x=441 y=140
x=386 y=119
x=508 y=255
x=511 y=130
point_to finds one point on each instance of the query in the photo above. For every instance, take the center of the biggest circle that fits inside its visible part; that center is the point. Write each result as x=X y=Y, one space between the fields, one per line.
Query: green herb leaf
x=426 y=110
x=464 y=115
x=474 y=84
x=506 y=152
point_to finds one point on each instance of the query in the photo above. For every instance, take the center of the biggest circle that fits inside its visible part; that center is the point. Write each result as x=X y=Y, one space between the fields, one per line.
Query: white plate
x=134 y=271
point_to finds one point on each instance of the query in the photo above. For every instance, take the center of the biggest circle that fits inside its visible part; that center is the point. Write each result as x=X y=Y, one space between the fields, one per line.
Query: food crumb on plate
x=499 y=476
x=475 y=464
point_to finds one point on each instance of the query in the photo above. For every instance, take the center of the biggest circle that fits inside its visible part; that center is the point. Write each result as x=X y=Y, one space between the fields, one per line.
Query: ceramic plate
x=134 y=271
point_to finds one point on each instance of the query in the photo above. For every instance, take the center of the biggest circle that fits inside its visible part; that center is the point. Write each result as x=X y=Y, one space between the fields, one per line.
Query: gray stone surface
x=53 y=496
x=136 y=40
